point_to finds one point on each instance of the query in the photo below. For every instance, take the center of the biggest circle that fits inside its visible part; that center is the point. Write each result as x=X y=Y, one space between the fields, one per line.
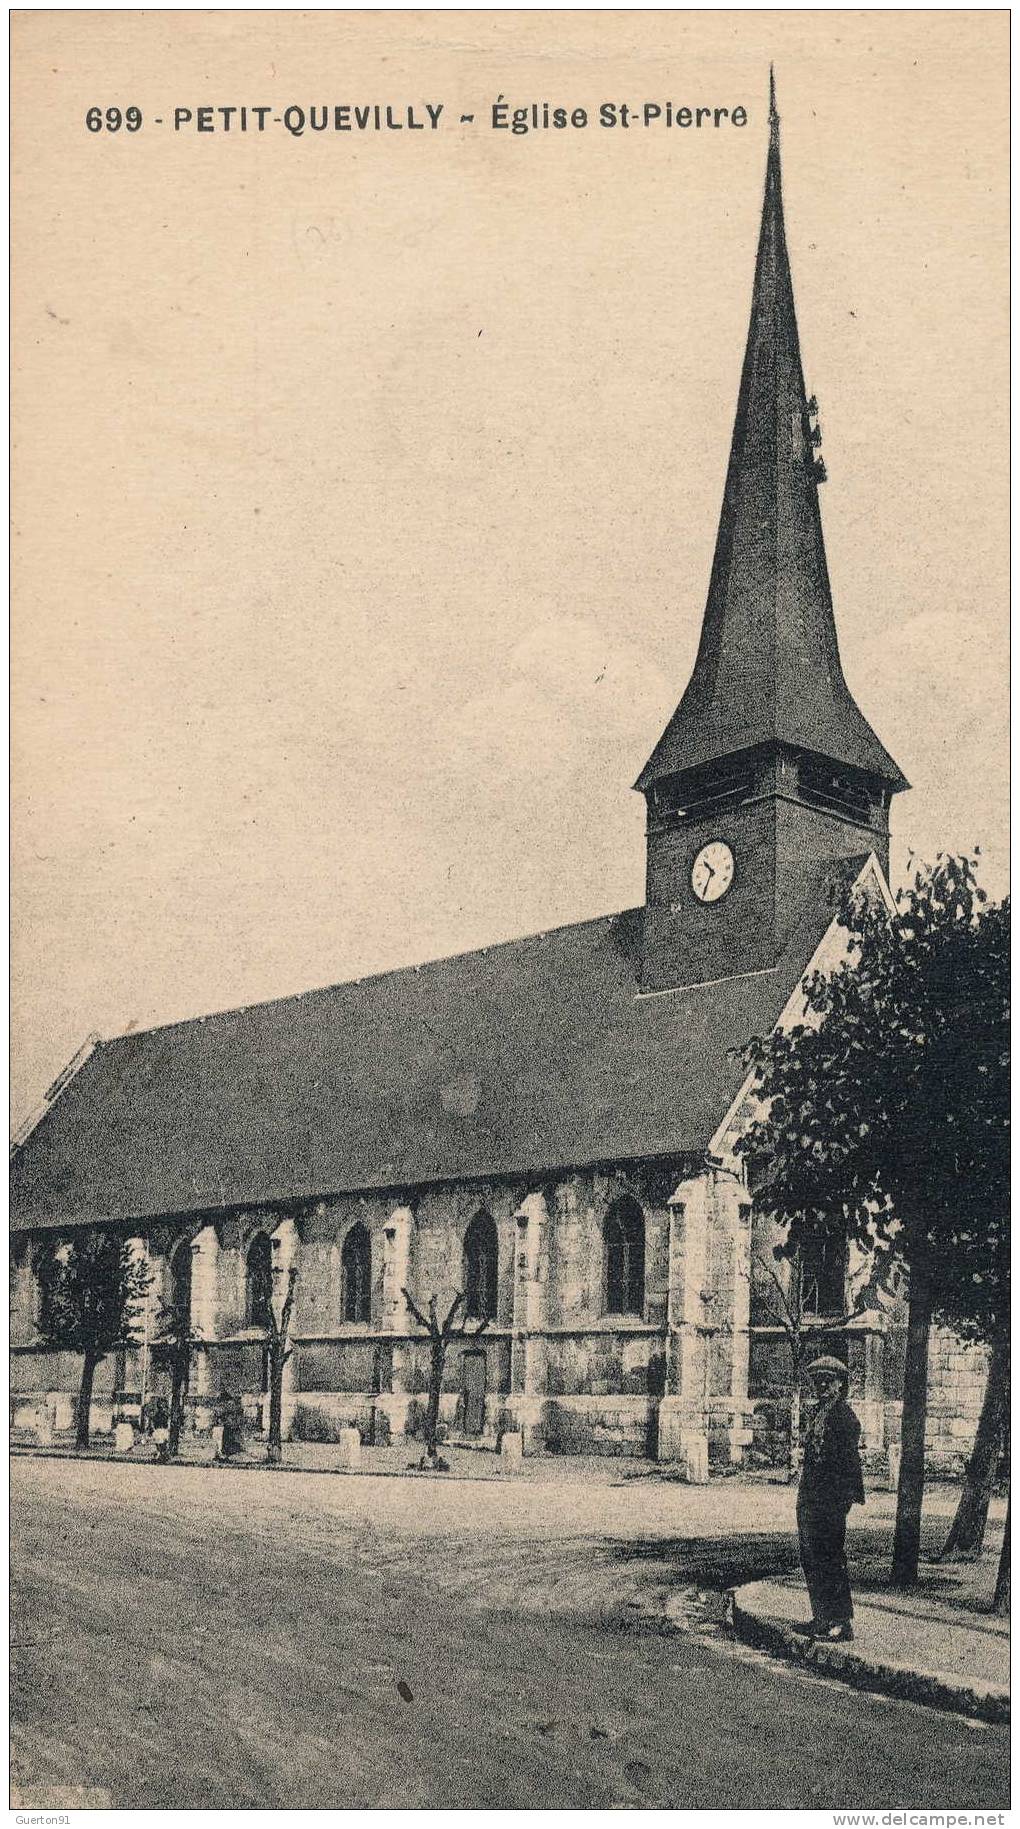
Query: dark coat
x=832 y=1467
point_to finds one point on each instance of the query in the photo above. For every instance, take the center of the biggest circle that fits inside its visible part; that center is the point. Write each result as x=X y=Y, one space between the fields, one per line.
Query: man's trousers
x=822 y=1529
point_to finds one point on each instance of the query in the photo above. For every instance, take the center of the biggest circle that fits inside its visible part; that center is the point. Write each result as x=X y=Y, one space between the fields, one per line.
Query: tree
x=279 y=1350
x=440 y=1334
x=976 y=1304
x=883 y=1114
x=785 y=1300
x=93 y=1290
x=967 y=1531
x=1000 y=1603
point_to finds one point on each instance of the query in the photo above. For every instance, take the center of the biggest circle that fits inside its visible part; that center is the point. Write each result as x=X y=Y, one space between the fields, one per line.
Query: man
x=830 y=1483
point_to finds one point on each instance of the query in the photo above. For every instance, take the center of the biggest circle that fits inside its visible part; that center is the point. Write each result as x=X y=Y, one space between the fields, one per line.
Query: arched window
x=356 y=1265
x=46 y=1267
x=481 y=1267
x=624 y=1232
x=180 y=1278
x=823 y=1275
x=259 y=1282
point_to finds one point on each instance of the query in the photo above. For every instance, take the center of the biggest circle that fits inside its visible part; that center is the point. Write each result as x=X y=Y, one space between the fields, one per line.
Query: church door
x=473 y=1374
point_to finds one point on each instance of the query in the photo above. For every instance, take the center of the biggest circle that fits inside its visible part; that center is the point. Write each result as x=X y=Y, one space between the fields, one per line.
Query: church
x=547 y=1125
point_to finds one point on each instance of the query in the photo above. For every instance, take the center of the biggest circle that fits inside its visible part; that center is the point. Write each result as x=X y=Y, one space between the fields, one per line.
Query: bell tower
x=767 y=768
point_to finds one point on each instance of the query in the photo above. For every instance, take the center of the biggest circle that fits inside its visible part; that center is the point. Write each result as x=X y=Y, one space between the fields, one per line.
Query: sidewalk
x=298 y=1457
x=465 y=1460
x=936 y=1645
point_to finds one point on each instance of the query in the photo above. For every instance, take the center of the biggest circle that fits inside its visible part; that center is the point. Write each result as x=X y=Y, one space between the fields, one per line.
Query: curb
x=983 y=1703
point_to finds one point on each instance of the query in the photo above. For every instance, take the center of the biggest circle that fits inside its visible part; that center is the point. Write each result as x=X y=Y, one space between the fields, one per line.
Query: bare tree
x=279 y=1350
x=802 y=1327
x=177 y=1342
x=440 y=1334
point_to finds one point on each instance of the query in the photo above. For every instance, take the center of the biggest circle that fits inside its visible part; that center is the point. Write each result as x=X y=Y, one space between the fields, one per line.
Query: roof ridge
x=343 y=984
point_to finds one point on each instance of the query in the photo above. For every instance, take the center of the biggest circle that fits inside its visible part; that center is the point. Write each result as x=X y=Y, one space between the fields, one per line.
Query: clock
x=712 y=871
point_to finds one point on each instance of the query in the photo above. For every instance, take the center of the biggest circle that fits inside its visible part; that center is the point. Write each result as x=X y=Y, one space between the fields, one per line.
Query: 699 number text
x=113 y=119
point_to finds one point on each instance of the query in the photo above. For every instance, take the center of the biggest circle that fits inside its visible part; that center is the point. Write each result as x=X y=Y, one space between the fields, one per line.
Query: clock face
x=712 y=871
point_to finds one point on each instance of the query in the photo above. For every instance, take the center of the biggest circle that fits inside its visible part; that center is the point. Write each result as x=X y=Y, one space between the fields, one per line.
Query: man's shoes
x=839 y=1634
x=809 y=1628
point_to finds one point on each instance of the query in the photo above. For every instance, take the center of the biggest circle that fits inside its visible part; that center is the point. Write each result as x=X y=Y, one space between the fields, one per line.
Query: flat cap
x=827 y=1364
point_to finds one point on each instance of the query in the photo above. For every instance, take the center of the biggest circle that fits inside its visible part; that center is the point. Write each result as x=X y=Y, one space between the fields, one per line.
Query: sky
x=365 y=488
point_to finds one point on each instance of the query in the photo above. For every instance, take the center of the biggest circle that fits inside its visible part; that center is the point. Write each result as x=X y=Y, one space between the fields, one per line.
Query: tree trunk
x=274 y=1448
x=278 y=1353
x=1000 y=1604
x=907 y=1540
x=794 y=1449
x=967 y=1533
x=83 y=1407
x=178 y=1388
x=438 y=1360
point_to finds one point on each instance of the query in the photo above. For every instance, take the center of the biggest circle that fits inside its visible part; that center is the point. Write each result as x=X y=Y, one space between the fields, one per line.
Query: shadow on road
x=727 y=1561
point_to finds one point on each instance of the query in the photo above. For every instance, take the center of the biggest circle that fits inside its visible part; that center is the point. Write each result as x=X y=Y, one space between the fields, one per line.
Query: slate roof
x=532 y=1055
x=768 y=668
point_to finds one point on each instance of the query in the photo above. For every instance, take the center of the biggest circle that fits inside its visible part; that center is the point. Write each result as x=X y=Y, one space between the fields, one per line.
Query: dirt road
x=189 y=1638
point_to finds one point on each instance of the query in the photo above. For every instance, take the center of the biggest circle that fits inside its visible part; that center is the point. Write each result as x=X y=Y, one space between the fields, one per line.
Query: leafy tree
x=883 y=1116
x=279 y=1350
x=440 y=1334
x=976 y=1304
x=1000 y=1602
x=967 y=1531
x=93 y=1290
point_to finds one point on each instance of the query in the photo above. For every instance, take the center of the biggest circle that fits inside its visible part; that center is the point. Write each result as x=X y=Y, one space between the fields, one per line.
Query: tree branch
x=288 y=1302
x=790 y=1318
x=447 y=1327
x=416 y=1311
x=461 y=1332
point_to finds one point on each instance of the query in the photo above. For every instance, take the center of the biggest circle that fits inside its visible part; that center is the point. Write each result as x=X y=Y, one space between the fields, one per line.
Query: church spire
x=768 y=667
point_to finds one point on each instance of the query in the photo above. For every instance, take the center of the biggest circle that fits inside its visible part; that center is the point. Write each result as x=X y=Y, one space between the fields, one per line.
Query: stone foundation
x=601 y=1425
x=557 y=1361
x=956 y=1388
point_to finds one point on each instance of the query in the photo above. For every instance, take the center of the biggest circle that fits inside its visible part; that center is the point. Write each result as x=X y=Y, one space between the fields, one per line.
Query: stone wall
x=556 y=1362
x=627 y=1360
x=956 y=1387
x=694 y=1364
x=601 y=1425
x=874 y=1355
x=34 y=1372
x=873 y=1345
